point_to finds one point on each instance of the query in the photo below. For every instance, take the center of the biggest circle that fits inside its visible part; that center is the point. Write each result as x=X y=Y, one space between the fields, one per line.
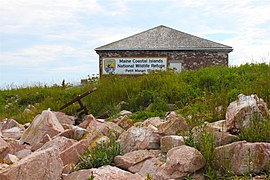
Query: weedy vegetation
x=199 y=95
x=202 y=94
x=100 y=155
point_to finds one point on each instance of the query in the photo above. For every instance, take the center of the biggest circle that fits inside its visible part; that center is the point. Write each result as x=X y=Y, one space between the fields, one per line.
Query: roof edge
x=179 y=49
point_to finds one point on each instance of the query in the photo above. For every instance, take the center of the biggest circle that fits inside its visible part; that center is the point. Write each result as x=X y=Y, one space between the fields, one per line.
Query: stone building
x=160 y=48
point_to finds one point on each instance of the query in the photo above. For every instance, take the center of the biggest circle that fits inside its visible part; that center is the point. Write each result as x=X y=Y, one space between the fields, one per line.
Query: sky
x=47 y=41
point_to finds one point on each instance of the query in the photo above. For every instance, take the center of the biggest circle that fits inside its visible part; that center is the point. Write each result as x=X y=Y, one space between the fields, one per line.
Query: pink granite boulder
x=243 y=157
x=103 y=173
x=45 y=123
x=44 y=165
x=181 y=161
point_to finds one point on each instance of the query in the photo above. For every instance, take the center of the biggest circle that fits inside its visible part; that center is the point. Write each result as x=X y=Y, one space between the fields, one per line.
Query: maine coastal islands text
x=133 y=65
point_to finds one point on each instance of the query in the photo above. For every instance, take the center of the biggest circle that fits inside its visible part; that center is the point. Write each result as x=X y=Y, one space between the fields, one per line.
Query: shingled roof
x=164 y=38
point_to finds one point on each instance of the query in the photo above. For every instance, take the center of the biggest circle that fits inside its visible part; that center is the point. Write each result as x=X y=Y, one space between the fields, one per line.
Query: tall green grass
x=201 y=95
x=196 y=93
x=102 y=154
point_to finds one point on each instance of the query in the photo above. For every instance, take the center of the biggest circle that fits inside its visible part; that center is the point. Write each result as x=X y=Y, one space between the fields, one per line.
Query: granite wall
x=188 y=59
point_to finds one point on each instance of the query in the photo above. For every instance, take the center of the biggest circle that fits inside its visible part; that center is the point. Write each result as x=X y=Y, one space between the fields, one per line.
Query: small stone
x=125 y=122
x=78 y=132
x=10 y=159
x=125 y=112
x=155 y=121
x=3 y=166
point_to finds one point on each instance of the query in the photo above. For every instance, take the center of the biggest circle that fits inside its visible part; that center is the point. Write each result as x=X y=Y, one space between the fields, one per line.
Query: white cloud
x=39 y=55
x=69 y=69
x=247 y=21
x=17 y=15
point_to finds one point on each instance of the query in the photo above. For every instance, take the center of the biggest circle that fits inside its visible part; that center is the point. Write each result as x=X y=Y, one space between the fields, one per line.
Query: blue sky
x=47 y=41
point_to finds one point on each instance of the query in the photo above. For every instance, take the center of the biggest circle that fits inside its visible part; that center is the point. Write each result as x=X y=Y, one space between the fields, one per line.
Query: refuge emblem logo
x=109 y=65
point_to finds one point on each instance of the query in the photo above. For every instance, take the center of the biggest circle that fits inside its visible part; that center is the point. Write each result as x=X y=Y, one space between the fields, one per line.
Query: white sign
x=133 y=65
x=175 y=66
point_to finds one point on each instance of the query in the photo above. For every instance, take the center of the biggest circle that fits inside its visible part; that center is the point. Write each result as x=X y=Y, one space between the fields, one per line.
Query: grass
x=258 y=131
x=201 y=95
x=102 y=154
x=196 y=93
x=206 y=145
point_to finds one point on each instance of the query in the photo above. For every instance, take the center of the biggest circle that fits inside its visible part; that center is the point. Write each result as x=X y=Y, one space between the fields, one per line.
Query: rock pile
x=50 y=146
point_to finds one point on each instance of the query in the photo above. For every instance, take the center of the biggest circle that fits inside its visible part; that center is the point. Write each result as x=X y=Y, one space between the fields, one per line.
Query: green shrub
x=206 y=146
x=102 y=154
x=197 y=93
x=258 y=131
x=140 y=116
x=141 y=101
x=189 y=139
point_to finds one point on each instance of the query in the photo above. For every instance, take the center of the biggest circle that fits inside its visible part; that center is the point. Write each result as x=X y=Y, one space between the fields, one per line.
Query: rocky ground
x=49 y=147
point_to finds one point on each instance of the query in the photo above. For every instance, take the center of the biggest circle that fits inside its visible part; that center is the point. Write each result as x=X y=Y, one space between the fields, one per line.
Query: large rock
x=173 y=125
x=14 y=146
x=242 y=112
x=169 y=142
x=61 y=143
x=139 y=138
x=243 y=157
x=181 y=161
x=11 y=129
x=70 y=155
x=221 y=138
x=43 y=124
x=159 y=158
x=44 y=165
x=99 y=126
x=65 y=119
x=103 y=173
x=13 y=133
x=219 y=125
x=132 y=158
x=10 y=123
x=150 y=167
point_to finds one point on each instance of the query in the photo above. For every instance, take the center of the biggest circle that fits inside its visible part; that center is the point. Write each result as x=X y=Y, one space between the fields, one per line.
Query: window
x=176 y=66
